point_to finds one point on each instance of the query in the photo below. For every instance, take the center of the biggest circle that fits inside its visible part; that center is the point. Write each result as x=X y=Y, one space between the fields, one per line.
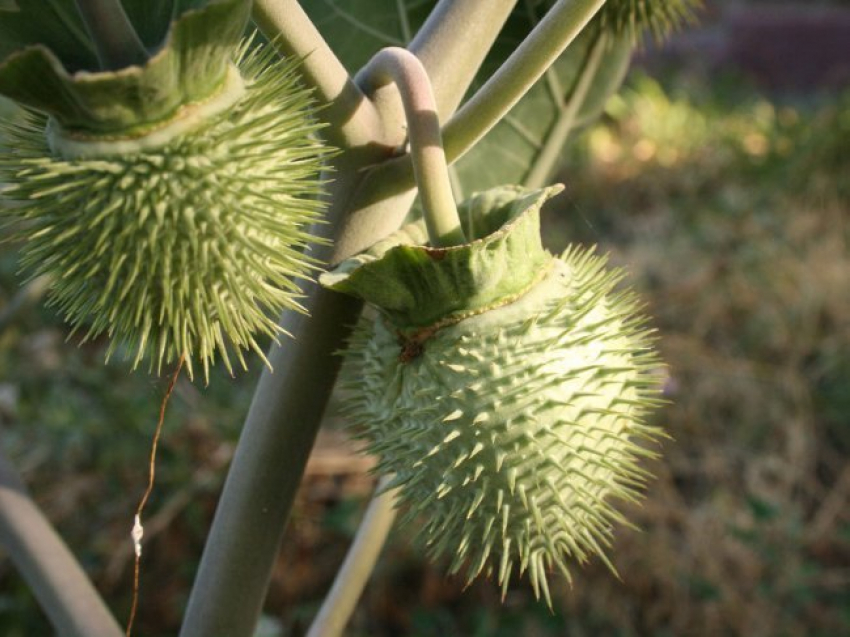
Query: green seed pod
x=634 y=17
x=504 y=388
x=177 y=225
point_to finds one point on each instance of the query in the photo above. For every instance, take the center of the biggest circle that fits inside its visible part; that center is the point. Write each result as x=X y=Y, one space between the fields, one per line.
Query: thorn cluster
x=513 y=433
x=190 y=249
x=658 y=17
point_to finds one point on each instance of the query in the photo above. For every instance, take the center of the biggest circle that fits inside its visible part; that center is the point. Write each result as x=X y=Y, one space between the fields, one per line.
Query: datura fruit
x=505 y=389
x=170 y=203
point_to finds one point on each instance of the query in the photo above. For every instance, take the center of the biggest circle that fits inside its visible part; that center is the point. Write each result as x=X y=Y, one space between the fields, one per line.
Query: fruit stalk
x=399 y=66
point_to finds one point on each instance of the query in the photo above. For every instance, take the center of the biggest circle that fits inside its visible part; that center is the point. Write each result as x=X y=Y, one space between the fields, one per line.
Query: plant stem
x=273 y=448
x=555 y=32
x=62 y=588
x=288 y=404
x=404 y=69
x=278 y=435
x=453 y=42
x=547 y=159
x=359 y=563
x=117 y=43
x=349 y=114
x=558 y=28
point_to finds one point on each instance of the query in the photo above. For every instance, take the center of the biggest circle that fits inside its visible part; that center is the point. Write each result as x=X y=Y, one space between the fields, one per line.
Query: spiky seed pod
x=513 y=420
x=185 y=239
x=634 y=17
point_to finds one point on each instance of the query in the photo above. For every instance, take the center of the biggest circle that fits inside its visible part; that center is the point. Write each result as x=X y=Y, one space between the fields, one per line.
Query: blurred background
x=720 y=178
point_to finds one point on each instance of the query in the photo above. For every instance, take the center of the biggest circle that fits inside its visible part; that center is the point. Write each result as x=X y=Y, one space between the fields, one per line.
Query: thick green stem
x=404 y=69
x=289 y=403
x=349 y=114
x=278 y=435
x=273 y=448
x=62 y=588
x=547 y=160
x=359 y=563
x=555 y=32
x=280 y=430
x=452 y=43
x=117 y=43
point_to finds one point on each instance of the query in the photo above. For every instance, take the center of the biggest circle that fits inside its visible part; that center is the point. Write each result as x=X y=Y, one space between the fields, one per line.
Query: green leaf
x=191 y=67
x=152 y=18
x=53 y=23
x=56 y=24
x=507 y=154
x=357 y=29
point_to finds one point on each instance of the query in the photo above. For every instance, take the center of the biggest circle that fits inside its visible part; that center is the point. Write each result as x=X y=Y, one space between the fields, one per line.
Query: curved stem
x=117 y=43
x=352 y=117
x=358 y=565
x=546 y=160
x=399 y=66
x=62 y=588
x=558 y=28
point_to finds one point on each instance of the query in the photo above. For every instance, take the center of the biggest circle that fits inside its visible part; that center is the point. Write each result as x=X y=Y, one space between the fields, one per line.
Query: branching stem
x=399 y=66
x=351 y=117
x=527 y=64
x=555 y=32
x=452 y=43
x=116 y=41
x=547 y=159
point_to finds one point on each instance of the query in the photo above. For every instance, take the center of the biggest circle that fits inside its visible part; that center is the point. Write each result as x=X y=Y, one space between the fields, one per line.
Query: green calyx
x=190 y=69
x=420 y=288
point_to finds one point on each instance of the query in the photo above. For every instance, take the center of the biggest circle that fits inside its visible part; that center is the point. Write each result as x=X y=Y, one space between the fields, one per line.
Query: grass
x=732 y=212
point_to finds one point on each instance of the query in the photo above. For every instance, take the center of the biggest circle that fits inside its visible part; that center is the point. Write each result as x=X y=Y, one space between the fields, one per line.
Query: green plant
x=580 y=46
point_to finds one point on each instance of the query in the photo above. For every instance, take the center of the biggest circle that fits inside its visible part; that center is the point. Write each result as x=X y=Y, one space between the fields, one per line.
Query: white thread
x=137 y=533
